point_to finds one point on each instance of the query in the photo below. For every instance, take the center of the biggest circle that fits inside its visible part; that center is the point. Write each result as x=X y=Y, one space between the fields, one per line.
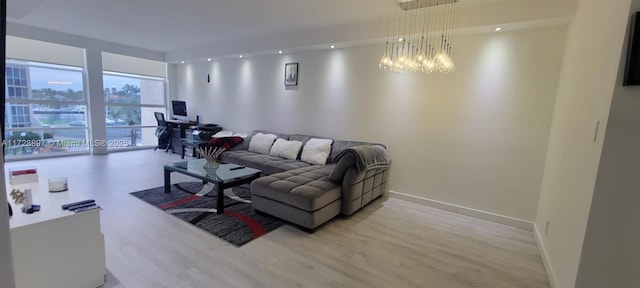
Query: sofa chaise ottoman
x=310 y=194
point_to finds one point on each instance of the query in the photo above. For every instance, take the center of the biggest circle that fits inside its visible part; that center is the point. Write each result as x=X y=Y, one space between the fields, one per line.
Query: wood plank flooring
x=390 y=243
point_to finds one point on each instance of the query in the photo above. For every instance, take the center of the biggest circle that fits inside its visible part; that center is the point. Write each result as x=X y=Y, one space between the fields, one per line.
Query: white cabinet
x=55 y=248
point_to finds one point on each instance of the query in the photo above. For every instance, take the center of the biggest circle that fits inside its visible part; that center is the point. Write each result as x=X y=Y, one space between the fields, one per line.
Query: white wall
x=475 y=138
x=589 y=71
x=610 y=254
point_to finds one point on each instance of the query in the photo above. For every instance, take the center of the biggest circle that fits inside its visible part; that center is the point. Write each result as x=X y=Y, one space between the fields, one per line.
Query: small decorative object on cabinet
x=58 y=184
x=17 y=196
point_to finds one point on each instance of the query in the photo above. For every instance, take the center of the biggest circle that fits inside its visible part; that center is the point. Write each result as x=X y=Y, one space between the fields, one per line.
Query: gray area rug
x=193 y=202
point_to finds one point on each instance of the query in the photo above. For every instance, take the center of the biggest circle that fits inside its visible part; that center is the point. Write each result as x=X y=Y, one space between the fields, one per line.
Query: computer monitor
x=179 y=110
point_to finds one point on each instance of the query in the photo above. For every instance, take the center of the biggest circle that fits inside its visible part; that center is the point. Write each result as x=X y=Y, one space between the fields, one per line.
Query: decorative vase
x=211 y=169
x=211 y=155
x=211 y=164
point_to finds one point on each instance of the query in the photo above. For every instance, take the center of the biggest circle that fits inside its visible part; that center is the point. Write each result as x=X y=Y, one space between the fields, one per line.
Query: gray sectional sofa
x=355 y=173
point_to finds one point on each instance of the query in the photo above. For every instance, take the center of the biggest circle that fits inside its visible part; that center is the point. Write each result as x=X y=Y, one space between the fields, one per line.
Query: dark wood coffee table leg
x=167 y=181
x=220 y=205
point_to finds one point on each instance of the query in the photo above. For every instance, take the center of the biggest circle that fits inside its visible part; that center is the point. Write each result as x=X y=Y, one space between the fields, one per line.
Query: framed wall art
x=291 y=74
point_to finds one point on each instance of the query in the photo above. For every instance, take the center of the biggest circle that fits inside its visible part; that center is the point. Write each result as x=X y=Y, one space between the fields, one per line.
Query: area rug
x=195 y=203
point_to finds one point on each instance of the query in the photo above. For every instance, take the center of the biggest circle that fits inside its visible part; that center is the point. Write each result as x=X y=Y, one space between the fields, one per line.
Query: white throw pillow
x=221 y=134
x=261 y=143
x=286 y=149
x=316 y=151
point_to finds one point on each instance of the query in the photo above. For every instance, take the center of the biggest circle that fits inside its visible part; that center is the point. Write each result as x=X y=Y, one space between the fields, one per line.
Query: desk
x=177 y=130
x=192 y=143
x=181 y=129
x=180 y=123
x=55 y=248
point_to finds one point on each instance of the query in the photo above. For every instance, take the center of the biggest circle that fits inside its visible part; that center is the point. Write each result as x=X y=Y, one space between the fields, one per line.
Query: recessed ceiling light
x=498 y=29
x=279 y=51
x=209 y=59
x=332 y=46
x=401 y=39
x=182 y=62
x=240 y=56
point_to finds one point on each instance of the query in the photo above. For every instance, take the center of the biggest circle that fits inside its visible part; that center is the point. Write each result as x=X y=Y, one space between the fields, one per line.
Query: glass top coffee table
x=223 y=175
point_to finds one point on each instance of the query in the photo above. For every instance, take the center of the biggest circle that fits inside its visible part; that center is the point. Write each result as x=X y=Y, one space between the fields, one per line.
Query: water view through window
x=45 y=109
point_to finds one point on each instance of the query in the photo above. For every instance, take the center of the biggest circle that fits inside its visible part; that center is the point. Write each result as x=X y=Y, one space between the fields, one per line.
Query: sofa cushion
x=307 y=188
x=221 y=134
x=266 y=163
x=285 y=149
x=316 y=151
x=261 y=143
x=247 y=139
x=280 y=135
x=304 y=138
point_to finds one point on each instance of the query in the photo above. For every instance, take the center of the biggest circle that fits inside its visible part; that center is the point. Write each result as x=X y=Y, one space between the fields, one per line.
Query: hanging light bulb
x=429 y=66
x=444 y=63
x=414 y=64
x=420 y=58
x=447 y=65
x=440 y=59
x=385 y=62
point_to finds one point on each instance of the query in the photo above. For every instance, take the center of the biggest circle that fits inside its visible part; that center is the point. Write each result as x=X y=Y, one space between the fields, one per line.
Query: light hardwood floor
x=390 y=243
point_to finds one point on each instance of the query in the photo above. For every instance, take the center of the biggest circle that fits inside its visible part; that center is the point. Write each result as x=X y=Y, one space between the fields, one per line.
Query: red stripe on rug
x=255 y=227
x=178 y=202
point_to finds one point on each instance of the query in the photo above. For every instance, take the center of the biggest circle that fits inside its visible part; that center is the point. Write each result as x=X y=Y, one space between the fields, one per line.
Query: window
x=45 y=109
x=130 y=102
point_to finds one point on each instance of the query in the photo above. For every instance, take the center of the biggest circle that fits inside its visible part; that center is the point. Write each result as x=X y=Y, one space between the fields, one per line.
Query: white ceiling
x=195 y=28
x=171 y=25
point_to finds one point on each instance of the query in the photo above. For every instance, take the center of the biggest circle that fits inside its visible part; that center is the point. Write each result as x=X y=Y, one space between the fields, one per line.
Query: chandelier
x=419 y=36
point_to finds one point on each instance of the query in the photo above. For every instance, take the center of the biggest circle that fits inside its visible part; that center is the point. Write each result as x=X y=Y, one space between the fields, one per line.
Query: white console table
x=55 y=248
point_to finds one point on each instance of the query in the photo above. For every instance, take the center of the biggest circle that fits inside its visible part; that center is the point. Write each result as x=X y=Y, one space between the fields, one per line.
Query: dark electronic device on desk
x=179 y=110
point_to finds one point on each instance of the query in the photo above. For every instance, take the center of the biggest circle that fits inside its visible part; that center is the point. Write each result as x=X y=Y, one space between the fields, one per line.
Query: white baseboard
x=506 y=220
x=545 y=257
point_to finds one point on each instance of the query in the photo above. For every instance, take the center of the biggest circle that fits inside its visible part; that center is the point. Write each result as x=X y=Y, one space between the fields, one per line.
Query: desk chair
x=163 y=132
